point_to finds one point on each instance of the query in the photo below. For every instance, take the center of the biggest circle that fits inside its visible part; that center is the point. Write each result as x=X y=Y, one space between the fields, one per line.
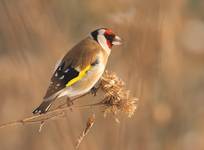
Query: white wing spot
x=58 y=85
x=60 y=68
x=62 y=77
x=56 y=74
x=66 y=70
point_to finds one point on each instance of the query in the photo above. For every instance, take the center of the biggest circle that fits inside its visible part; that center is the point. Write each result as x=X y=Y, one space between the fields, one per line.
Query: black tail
x=43 y=108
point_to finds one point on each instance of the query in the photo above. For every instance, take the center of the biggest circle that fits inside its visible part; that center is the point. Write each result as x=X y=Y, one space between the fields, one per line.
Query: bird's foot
x=69 y=103
x=94 y=90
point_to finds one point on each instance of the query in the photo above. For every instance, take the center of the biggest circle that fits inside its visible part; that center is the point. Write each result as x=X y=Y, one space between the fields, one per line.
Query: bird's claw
x=94 y=91
x=69 y=103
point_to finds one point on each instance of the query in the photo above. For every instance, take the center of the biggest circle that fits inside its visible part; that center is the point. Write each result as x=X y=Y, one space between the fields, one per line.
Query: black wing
x=60 y=78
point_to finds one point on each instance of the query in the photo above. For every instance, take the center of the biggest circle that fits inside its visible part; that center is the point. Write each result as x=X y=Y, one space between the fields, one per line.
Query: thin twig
x=89 y=125
x=43 y=117
x=41 y=126
x=116 y=99
x=52 y=114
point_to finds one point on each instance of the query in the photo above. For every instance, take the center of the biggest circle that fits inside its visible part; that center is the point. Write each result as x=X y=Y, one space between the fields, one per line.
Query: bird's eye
x=109 y=34
x=109 y=37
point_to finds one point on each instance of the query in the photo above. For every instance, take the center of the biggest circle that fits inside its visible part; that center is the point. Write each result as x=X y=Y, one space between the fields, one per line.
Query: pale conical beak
x=117 y=41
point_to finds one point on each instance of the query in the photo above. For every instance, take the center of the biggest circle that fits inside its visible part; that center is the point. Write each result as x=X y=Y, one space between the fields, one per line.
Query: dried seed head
x=117 y=98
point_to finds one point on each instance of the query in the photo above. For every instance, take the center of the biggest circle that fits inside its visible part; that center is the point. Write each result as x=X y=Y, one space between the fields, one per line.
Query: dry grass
x=89 y=124
x=161 y=62
x=116 y=99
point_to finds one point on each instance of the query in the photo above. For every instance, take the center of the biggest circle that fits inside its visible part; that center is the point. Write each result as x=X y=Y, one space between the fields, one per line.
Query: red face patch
x=109 y=35
x=109 y=32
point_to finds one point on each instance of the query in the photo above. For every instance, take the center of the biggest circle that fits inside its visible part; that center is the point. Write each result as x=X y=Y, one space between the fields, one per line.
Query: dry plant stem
x=116 y=99
x=41 y=126
x=74 y=99
x=34 y=119
x=53 y=114
x=89 y=125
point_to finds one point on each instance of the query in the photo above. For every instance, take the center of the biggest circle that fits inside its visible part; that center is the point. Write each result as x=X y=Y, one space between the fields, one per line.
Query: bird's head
x=106 y=38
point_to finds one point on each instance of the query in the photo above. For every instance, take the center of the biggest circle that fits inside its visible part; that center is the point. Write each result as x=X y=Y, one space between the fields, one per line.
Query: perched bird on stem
x=81 y=68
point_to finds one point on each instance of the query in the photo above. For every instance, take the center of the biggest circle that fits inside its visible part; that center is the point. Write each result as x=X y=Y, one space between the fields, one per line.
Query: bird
x=81 y=68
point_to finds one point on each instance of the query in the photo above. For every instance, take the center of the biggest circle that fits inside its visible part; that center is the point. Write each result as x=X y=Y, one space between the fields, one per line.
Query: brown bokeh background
x=161 y=61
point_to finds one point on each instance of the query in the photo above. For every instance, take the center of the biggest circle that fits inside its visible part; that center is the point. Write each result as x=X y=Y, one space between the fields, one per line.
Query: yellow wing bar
x=79 y=77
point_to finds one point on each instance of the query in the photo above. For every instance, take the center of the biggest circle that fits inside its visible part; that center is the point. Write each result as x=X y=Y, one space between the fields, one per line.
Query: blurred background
x=161 y=61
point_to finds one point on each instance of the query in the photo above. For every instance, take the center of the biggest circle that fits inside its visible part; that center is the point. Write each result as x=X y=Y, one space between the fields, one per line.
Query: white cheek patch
x=101 y=32
x=102 y=41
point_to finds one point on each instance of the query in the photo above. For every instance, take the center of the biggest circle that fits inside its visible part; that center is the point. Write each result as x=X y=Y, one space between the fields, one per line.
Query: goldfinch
x=80 y=68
